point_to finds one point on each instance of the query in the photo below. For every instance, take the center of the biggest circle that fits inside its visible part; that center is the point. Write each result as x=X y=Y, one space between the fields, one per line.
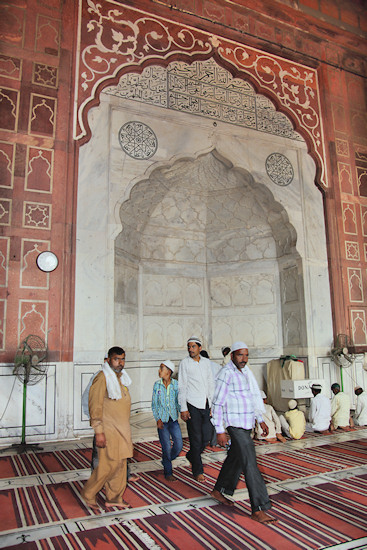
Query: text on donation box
x=298 y=389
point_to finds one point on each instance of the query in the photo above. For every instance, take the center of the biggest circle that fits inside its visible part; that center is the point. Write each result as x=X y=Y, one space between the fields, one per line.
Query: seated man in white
x=319 y=415
x=360 y=416
x=272 y=421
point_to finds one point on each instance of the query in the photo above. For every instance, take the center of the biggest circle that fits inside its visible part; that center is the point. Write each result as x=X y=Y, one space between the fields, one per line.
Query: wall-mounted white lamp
x=47 y=261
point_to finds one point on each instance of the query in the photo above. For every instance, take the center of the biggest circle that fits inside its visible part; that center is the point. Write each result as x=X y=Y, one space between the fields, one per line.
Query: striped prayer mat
x=36 y=505
x=77 y=459
x=44 y=462
x=308 y=518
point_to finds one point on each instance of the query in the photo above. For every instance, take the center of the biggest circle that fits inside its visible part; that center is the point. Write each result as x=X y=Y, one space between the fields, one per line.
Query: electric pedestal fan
x=29 y=368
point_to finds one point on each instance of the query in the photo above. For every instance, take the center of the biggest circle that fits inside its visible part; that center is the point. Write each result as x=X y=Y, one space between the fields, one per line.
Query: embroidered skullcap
x=195 y=339
x=335 y=386
x=292 y=404
x=238 y=345
x=316 y=387
x=263 y=394
x=169 y=364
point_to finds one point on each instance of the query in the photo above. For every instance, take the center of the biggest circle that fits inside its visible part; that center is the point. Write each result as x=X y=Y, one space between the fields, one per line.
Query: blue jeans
x=241 y=458
x=171 y=429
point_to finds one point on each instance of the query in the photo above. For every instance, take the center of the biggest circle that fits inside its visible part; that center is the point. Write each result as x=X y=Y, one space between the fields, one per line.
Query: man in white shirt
x=195 y=394
x=360 y=416
x=320 y=411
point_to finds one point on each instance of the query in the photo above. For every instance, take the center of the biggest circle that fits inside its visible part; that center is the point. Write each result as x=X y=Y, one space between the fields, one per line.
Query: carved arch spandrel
x=115 y=39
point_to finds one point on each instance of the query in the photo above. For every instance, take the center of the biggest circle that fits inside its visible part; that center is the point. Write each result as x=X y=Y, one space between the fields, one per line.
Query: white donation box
x=298 y=389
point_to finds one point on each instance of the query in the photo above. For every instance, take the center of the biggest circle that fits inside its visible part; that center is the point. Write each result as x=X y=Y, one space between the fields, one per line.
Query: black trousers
x=242 y=458
x=199 y=429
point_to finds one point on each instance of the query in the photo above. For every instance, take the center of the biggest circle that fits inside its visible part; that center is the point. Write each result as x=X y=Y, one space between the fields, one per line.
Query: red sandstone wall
x=36 y=173
x=37 y=158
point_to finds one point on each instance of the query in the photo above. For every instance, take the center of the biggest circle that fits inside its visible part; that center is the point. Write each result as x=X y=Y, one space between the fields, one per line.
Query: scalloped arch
x=116 y=39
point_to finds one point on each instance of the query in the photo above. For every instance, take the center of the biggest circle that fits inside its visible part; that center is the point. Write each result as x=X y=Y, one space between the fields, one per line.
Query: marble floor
x=144 y=429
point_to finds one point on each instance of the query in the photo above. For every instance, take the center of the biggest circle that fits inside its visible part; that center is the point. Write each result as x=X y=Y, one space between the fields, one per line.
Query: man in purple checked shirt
x=237 y=403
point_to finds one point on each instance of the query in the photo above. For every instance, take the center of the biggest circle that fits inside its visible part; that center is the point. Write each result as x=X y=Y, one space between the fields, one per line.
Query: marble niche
x=197 y=213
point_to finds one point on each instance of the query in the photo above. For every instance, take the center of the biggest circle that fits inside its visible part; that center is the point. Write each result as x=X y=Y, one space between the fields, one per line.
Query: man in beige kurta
x=109 y=409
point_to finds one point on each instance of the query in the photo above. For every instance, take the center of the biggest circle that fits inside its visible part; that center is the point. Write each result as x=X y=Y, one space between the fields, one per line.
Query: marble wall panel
x=242 y=291
x=126 y=284
x=165 y=332
x=7 y=157
x=164 y=293
x=126 y=330
x=40 y=411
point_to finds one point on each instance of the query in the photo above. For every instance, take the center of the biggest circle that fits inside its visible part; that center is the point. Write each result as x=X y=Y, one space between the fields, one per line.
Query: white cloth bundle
x=113 y=386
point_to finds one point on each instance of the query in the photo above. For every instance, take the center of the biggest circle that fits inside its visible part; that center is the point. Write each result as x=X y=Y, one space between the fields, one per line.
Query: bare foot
x=200 y=477
x=281 y=438
x=170 y=478
x=122 y=504
x=271 y=440
x=221 y=498
x=261 y=517
x=134 y=477
x=91 y=504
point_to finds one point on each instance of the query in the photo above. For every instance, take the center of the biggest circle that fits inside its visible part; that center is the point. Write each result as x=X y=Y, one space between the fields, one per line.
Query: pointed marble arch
x=114 y=39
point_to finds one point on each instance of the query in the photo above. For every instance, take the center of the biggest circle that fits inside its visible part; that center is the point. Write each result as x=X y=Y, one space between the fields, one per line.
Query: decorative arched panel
x=115 y=39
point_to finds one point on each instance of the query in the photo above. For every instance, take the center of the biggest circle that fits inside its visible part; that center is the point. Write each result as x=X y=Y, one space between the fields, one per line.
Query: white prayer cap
x=169 y=364
x=316 y=387
x=263 y=394
x=238 y=345
x=195 y=339
x=292 y=404
x=223 y=348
